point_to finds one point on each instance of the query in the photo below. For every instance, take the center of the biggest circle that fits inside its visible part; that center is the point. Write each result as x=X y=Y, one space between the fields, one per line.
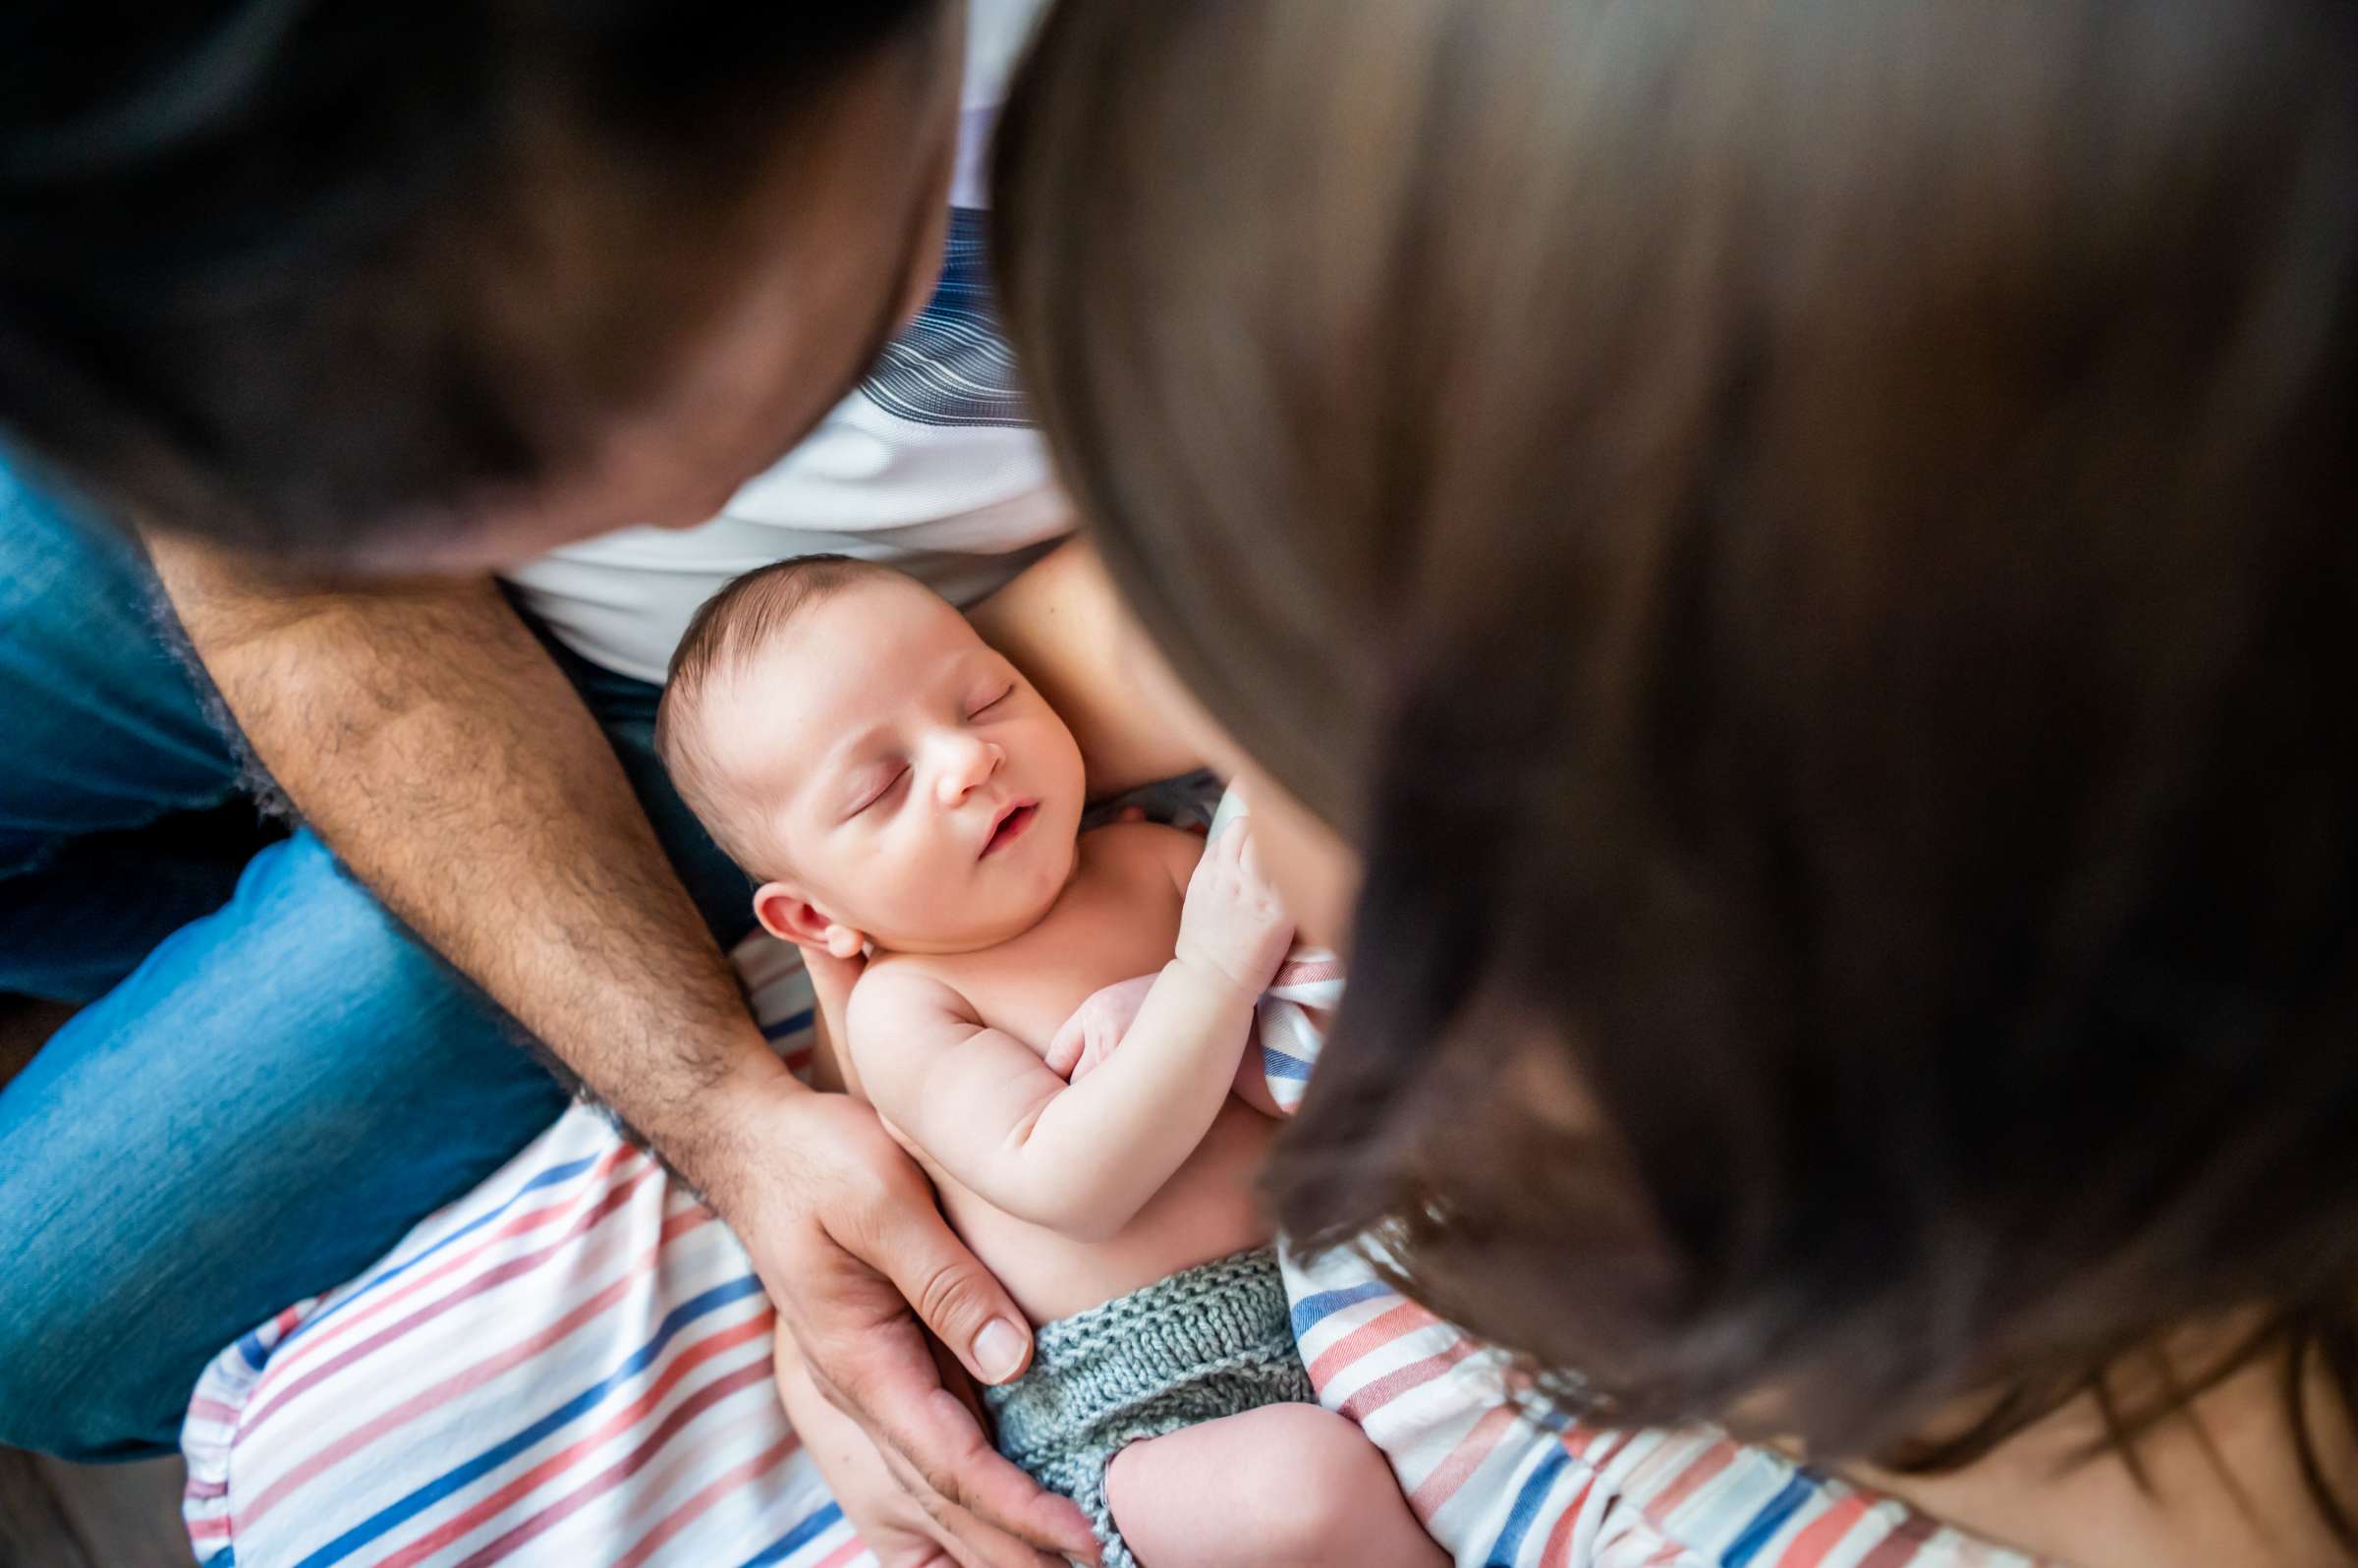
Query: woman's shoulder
x=2220 y=1482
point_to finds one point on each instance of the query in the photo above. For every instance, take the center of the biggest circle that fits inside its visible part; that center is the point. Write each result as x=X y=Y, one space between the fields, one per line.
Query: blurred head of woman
x=1802 y=556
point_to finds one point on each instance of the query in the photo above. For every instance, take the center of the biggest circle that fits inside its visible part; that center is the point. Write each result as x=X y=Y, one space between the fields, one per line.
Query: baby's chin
x=1008 y=919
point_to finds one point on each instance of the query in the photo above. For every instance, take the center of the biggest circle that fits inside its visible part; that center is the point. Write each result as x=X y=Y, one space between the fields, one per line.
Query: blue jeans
x=272 y=1080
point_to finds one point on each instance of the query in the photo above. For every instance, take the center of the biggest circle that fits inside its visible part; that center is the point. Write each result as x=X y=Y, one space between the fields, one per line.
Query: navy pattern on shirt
x=952 y=366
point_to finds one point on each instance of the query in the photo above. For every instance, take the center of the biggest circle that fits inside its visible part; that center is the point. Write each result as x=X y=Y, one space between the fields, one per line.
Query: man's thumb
x=959 y=1300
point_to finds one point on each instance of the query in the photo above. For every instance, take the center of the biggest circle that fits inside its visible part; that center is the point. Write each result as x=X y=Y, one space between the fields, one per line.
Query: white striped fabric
x=571 y=1366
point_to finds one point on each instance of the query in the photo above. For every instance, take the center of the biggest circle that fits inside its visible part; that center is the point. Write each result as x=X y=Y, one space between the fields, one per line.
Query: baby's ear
x=790 y=917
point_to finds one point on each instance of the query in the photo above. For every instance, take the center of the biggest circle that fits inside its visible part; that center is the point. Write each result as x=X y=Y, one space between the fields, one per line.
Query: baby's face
x=922 y=794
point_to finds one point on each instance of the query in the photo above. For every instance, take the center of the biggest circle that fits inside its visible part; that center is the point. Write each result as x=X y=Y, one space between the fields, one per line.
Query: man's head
x=846 y=736
x=440 y=285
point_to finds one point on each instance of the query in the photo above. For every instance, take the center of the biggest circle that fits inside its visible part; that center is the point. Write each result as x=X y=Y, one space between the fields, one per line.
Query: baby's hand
x=1096 y=1027
x=1233 y=922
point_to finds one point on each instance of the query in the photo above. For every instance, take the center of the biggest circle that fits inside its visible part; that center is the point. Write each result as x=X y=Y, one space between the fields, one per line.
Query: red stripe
x=1384 y=1390
x=515 y=1225
x=481 y=1372
x=621 y=1421
x=1718 y=1456
x=842 y=1554
x=1824 y=1534
x=1373 y=1334
x=1557 y=1552
x=631 y=1463
x=1899 y=1546
x=209 y=1527
x=213 y=1410
x=1462 y=1461
x=1307 y=972
x=609 y=1203
x=679 y=1518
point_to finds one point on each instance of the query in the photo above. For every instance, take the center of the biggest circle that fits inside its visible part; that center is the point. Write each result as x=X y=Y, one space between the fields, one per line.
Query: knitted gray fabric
x=1209 y=1341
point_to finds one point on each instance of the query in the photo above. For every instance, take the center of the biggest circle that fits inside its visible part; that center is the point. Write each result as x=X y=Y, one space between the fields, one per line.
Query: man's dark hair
x=274 y=270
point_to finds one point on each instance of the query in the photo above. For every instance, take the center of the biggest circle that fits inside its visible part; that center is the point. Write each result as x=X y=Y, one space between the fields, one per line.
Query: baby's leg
x=1292 y=1485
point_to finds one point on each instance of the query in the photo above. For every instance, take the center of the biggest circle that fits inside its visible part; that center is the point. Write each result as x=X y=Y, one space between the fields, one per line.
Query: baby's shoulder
x=900 y=990
x=1143 y=848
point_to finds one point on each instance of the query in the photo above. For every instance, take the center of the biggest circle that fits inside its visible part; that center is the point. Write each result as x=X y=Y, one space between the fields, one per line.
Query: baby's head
x=883 y=774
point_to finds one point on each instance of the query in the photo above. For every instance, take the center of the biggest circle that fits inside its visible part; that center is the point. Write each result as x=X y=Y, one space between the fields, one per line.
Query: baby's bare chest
x=1116 y=922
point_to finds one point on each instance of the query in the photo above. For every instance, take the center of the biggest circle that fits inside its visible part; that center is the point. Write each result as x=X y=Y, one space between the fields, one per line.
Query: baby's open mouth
x=1010 y=826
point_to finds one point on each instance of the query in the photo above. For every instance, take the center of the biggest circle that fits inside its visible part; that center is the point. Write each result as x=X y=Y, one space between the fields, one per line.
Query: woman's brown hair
x=1811 y=543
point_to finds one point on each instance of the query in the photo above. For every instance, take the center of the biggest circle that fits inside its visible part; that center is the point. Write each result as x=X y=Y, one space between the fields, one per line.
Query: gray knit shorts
x=1209 y=1341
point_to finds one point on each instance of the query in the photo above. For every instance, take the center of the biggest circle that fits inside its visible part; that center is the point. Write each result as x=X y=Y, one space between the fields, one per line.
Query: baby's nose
x=969 y=766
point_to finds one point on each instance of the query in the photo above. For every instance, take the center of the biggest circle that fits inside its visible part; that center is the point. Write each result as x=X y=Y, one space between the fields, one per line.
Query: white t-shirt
x=931 y=464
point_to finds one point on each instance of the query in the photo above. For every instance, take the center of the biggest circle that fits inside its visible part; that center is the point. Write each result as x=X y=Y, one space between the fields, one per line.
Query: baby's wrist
x=1208 y=977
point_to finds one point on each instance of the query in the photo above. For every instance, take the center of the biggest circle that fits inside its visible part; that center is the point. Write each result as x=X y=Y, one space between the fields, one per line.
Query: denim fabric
x=274 y=1081
x=101 y=738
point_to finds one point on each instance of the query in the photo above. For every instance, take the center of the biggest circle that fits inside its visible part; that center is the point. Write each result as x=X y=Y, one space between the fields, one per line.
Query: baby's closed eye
x=875 y=787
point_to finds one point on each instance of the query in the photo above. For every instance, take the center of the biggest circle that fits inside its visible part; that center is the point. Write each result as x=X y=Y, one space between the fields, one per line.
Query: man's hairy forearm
x=428 y=738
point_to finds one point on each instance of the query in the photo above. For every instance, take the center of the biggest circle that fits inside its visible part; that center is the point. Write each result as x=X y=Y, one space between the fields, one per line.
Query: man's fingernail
x=999 y=1350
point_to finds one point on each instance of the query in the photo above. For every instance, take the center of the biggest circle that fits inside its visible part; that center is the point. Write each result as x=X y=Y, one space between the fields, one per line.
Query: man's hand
x=885 y=1516
x=844 y=1232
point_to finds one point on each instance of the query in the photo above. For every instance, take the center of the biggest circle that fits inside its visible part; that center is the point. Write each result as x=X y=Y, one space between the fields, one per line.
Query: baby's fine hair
x=723 y=633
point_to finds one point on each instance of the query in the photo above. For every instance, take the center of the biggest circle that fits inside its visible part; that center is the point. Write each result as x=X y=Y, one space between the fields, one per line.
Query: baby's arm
x=1085 y=1041
x=1082 y=1159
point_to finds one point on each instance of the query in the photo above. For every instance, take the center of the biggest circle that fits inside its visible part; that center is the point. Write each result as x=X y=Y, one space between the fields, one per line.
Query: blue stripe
x=787 y=1025
x=1768 y=1522
x=226 y=1557
x=554 y=1174
x=801 y=1535
x=249 y=1346
x=1527 y=1508
x=1310 y=1309
x=1276 y=1064
x=434 y=1491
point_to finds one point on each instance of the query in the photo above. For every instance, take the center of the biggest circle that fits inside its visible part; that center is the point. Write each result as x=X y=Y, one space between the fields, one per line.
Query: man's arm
x=427 y=736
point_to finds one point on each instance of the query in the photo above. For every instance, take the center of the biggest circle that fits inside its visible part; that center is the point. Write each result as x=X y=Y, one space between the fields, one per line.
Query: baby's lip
x=1010 y=825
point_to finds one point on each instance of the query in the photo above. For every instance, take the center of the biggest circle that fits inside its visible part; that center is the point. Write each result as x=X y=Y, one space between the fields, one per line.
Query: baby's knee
x=1331 y=1488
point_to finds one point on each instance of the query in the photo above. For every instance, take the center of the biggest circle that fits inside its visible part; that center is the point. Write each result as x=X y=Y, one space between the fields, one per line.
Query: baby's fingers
x=1066 y=1044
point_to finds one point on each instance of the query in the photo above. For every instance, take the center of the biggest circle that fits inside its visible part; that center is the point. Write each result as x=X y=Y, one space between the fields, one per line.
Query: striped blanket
x=571 y=1366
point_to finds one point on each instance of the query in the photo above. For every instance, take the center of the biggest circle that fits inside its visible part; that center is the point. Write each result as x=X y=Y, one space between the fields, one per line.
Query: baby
x=903 y=791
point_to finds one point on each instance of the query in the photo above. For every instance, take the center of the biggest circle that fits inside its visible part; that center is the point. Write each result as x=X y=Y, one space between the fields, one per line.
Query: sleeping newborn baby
x=902 y=791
